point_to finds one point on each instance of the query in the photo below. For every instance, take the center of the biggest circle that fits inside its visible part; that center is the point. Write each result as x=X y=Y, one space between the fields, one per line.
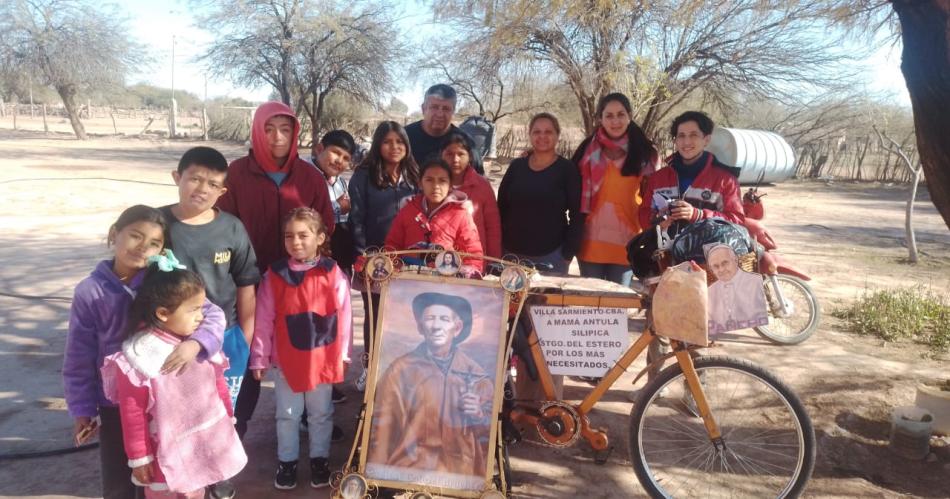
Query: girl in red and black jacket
x=438 y=216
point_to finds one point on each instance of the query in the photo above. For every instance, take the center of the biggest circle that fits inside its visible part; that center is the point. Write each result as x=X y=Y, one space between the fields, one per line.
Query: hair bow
x=166 y=261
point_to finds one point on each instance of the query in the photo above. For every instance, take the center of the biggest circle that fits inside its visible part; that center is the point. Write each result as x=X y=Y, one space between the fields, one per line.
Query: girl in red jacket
x=437 y=216
x=456 y=150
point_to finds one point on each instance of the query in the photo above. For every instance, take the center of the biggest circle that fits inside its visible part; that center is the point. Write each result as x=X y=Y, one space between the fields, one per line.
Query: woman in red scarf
x=613 y=162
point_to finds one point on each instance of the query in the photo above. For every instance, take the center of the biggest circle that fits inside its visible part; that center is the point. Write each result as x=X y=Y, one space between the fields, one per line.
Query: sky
x=155 y=23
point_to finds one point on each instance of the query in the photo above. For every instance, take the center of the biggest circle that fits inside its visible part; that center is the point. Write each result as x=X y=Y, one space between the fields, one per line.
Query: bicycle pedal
x=601 y=457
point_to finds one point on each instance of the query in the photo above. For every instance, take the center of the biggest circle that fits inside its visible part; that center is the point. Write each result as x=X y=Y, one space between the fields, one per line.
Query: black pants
x=246 y=402
x=116 y=474
x=367 y=344
x=342 y=249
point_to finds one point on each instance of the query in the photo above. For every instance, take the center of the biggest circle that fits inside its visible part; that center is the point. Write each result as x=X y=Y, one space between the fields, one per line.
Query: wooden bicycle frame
x=597 y=438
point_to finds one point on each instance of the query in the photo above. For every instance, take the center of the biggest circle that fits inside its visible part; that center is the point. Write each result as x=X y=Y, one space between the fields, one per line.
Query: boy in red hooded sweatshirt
x=262 y=188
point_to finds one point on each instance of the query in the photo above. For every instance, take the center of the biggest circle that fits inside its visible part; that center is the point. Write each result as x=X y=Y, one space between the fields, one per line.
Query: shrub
x=917 y=314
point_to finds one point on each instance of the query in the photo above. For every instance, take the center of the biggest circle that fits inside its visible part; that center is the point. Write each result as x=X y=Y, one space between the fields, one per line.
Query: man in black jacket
x=425 y=135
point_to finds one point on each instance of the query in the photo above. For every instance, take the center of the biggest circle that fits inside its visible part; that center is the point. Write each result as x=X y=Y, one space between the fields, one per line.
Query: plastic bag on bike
x=690 y=241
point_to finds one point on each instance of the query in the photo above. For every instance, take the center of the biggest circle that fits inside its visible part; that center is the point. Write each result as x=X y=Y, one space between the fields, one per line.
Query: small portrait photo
x=353 y=486
x=448 y=263
x=737 y=298
x=380 y=267
x=513 y=279
x=433 y=403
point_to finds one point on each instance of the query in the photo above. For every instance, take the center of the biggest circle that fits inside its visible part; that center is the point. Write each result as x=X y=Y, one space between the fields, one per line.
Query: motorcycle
x=794 y=312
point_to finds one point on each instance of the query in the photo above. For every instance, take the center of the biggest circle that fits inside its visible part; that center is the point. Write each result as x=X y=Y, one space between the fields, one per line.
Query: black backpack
x=481 y=131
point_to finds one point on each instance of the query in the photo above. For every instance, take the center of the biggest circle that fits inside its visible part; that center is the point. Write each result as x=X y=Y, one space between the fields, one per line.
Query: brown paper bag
x=680 y=303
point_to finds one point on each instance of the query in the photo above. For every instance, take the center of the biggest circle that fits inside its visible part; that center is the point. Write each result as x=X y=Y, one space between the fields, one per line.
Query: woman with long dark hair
x=613 y=163
x=380 y=186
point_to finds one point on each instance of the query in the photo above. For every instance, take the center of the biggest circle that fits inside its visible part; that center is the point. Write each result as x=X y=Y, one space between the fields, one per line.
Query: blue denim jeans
x=620 y=274
x=290 y=405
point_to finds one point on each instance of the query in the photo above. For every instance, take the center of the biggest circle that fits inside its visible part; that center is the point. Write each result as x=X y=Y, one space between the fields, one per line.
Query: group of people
x=250 y=270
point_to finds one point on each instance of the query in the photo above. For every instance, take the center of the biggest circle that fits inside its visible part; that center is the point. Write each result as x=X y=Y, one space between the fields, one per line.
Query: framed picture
x=737 y=298
x=380 y=267
x=448 y=263
x=435 y=388
x=353 y=486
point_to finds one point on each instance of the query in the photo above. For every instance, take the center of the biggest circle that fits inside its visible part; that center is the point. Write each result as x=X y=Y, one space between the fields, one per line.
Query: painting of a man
x=433 y=405
x=736 y=299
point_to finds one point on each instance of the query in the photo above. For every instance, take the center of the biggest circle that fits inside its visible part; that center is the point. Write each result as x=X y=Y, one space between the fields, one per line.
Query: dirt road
x=60 y=196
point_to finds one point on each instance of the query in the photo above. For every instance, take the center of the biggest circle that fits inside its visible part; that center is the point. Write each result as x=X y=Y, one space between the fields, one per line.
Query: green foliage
x=912 y=313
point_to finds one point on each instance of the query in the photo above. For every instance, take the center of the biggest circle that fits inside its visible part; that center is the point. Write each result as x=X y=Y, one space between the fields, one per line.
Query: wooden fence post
x=45 y=126
x=204 y=123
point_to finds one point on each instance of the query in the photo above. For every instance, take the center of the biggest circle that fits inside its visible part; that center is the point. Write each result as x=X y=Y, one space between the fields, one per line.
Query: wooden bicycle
x=704 y=426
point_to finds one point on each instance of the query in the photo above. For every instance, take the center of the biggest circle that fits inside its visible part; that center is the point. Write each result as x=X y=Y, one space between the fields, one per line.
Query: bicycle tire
x=788 y=331
x=673 y=456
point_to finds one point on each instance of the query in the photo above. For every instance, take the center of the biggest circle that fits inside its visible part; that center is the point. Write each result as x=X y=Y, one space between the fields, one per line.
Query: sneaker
x=337 y=435
x=361 y=381
x=222 y=490
x=319 y=472
x=286 y=478
x=338 y=395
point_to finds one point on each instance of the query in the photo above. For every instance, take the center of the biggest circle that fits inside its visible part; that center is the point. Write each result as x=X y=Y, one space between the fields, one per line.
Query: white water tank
x=755 y=152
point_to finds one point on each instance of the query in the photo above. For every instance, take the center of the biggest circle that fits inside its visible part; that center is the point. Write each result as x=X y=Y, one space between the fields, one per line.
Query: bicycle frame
x=598 y=439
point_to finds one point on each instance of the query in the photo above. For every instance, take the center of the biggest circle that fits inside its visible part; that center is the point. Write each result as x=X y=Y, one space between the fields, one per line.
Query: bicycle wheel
x=767 y=447
x=804 y=312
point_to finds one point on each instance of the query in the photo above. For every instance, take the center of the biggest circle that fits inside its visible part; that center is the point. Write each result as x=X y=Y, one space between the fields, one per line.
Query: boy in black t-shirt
x=216 y=246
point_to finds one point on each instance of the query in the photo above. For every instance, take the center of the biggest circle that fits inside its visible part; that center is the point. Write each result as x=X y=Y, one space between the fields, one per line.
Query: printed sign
x=581 y=341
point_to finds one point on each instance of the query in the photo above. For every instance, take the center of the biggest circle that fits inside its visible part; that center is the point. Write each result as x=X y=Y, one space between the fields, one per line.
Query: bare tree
x=304 y=49
x=660 y=52
x=255 y=42
x=69 y=45
x=347 y=52
x=892 y=145
x=924 y=31
x=496 y=88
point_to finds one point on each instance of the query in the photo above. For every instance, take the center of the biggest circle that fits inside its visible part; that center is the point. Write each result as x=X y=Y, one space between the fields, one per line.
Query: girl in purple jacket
x=96 y=323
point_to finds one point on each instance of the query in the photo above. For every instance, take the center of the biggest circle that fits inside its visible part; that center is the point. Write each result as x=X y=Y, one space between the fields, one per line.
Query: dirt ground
x=59 y=196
